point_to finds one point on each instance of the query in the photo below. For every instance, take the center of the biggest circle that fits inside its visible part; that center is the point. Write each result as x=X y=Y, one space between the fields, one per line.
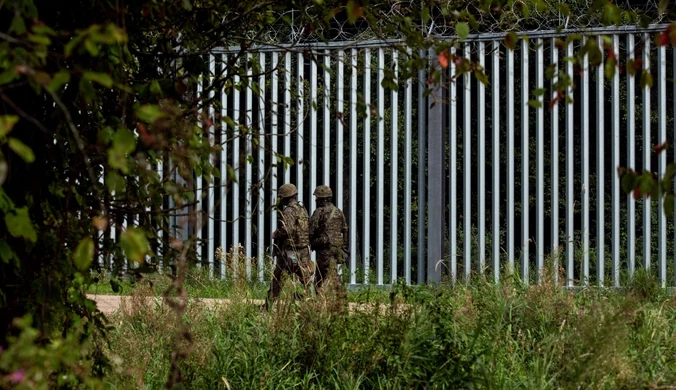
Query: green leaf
x=669 y=200
x=628 y=182
x=22 y=150
x=594 y=53
x=7 y=122
x=535 y=103
x=611 y=64
x=481 y=76
x=611 y=14
x=6 y=252
x=539 y=91
x=91 y=47
x=18 y=24
x=84 y=254
x=8 y=76
x=43 y=30
x=155 y=88
x=149 y=113
x=510 y=40
x=101 y=78
x=19 y=224
x=59 y=80
x=70 y=46
x=124 y=140
x=631 y=67
x=564 y=9
x=115 y=182
x=646 y=79
x=124 y=143
x=662 y=6
x=425 y=14
x=40 y=39
x=134 y=243
x=462 y=29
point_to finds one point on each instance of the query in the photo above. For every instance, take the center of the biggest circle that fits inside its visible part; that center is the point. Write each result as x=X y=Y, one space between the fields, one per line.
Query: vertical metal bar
x=236 y=158
x=300 y=124
x=287 y=114
x=453 y=169
x=394 y=184
x=260 y=229
x=380 y=229
x=408 y=100
x=495 y=94
x=585 y=167
x=199 y=195
x=314 y=105
x=631 y=160
x=436 y=176
x=662 y=161
x=616 y=163
x=274 y=133
x=510 y=160
x=467 y=171
x=570 y=177
x=171 y=231
x=366 y=233
x=160 y=228
x=101 y=243
x=248 y=119
x=481 y=122
x=646 y=154
x=327 y=119
x=525 y=169
x=600 y=174
x=540 y=195
x=555 y=161
x=353 y=167
x=211 y=201
x=422 y=176
x=224 y=172
x=674 y=110
x=340 y=143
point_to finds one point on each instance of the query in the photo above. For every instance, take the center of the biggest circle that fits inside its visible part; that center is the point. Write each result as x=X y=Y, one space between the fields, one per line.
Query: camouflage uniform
x=292 y=248
x=328 y=231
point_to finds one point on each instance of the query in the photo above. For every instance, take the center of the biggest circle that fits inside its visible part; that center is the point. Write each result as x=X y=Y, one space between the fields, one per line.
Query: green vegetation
x=479 y=336
x=97 y=94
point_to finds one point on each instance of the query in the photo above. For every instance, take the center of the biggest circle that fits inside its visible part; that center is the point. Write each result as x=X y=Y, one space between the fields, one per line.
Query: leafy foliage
x=96 y=94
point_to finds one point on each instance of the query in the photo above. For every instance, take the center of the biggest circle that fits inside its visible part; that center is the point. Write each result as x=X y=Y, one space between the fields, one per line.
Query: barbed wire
x=292 y=26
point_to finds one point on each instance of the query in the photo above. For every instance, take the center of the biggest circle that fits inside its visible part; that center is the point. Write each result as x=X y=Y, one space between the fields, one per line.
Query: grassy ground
x=477 y=336
x=199 y=284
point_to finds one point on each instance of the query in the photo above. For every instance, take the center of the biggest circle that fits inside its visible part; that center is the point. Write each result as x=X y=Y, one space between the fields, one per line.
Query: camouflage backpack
x=333 y=228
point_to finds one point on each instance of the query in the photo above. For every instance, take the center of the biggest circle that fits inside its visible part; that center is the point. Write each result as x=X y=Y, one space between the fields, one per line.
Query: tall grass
x=468 y=336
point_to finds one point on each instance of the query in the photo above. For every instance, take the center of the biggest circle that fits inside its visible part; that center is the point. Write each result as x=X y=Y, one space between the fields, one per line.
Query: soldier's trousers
x=302 y=268
x=326 y=271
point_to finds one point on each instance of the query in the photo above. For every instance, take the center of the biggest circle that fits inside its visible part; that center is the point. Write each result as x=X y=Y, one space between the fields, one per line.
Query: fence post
x=436 y=182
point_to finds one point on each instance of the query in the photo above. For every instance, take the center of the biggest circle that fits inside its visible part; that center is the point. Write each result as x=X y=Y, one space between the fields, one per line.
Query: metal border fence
x=430 y=189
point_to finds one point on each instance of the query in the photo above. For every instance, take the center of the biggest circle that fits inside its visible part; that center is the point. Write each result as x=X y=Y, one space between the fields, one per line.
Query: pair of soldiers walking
x=325 y=233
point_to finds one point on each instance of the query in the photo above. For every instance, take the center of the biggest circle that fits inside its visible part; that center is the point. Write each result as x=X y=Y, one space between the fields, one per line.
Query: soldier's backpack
x=344 y=254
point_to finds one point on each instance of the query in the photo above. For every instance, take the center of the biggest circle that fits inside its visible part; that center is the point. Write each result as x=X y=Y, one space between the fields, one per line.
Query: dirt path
x=109 y=304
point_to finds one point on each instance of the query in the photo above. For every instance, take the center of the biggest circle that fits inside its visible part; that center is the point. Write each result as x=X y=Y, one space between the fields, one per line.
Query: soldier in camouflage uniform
x=328 y=236
x=291 y=242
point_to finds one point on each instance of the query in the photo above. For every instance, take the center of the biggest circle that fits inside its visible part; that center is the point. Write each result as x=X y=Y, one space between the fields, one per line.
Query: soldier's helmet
x=287 y=190
x=323 y=192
